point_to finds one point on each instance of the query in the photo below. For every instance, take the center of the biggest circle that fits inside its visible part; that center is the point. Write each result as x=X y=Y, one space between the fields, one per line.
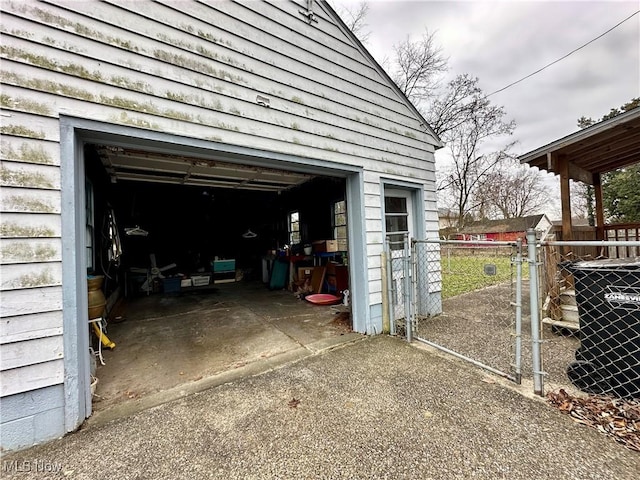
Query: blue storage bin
x=171 y=285
x=219 y=266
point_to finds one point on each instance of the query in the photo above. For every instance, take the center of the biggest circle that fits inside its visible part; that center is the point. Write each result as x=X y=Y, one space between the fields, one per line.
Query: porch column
x=597 y=190
x=565 y=200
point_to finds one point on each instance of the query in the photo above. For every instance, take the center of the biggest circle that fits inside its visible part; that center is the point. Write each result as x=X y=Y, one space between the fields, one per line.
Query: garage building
x=188 y=140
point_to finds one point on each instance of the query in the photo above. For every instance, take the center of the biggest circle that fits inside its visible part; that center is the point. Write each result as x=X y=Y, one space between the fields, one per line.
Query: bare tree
x=512 y=191
x=418 y=65
x=459 y=113
x=582 y=201
x=354 y=17
x=463 y=180
x=470 y=166
x=457 y=104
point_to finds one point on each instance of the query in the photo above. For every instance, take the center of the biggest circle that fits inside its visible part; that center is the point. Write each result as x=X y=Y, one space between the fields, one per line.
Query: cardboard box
x=304 y=273
x=200 y=280
x=322 y=246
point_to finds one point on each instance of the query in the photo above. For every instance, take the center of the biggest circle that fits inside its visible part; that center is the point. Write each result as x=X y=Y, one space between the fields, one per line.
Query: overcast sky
x=502 y=41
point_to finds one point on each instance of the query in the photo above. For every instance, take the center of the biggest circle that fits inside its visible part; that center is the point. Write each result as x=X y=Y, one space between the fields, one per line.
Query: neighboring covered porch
x=584 y=157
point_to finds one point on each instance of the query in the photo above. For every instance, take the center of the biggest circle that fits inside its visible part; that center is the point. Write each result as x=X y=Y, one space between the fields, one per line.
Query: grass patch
x=463 y=274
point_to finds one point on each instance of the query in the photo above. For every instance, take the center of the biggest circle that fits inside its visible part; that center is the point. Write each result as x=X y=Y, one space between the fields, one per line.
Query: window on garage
x=396 y=220
x=294 y=228
x=340 y=224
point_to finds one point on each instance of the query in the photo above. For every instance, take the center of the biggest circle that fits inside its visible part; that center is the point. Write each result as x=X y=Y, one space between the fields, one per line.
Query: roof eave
x=438 y=143
x=579 y=136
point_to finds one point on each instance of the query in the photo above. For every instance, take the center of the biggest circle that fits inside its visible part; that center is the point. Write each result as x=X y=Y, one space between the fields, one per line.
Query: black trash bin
x=608 y=299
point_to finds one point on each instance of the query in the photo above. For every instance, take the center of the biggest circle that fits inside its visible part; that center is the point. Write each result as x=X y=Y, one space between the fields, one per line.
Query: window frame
x=342 y=240
x=90 y=225
x=394 y=236
x=291 y=231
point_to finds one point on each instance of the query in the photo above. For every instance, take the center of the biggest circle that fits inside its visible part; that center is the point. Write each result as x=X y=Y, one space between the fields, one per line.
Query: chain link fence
x=399 y=284
x=590 y=317
x=467 y=300
x=570 y=309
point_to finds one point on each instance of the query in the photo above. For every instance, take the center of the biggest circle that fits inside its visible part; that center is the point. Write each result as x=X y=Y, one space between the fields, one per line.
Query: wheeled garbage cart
x=608 y=299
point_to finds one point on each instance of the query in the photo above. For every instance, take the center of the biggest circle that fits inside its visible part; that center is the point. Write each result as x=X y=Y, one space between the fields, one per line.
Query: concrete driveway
x=375 y=408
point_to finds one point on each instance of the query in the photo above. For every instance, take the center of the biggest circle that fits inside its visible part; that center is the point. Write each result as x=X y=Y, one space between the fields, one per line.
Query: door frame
x=415 y=193
x=74 y=134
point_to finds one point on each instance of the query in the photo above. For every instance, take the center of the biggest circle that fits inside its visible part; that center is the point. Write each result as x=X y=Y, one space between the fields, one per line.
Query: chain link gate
x=589 y=311
x=466 y=299
x=399 y=285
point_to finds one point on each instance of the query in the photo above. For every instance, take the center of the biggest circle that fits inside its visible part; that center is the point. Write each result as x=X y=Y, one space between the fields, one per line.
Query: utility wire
x=563 y=57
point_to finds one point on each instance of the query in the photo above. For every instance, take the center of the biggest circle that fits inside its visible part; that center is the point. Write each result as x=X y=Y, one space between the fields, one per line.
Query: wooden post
x=567 y=226
x=565 y=200
x=597 y=189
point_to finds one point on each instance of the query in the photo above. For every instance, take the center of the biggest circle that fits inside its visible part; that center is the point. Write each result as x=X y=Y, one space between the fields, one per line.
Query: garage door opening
x=205 y=266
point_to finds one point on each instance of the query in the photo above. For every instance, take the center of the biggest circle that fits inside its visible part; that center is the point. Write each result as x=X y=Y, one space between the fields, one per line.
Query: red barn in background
x=503 y=230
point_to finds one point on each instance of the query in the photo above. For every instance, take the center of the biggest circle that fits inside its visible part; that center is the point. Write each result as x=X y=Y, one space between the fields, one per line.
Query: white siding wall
x=186 y=68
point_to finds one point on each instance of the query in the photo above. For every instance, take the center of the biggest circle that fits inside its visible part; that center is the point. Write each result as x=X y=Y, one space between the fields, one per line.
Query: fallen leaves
x=615 y=417
x=130 y=394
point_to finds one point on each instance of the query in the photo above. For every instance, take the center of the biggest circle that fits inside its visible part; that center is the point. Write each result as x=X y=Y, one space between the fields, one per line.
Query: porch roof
x=600 y=148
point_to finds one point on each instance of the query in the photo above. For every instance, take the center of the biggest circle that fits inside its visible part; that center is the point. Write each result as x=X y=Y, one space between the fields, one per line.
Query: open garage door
x=210 y=265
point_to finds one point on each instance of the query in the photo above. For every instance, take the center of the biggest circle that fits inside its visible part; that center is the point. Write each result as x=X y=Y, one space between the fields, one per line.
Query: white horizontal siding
x=101 y=67
x=30 y=352
x=31 y=377
x=29 y=200
x=28 y=327
x=29 y=250
x=32 y=300
x=29 y=150
x=431 y=215
x=375 y=286
x=374 y=213
x=374 y=261
x=229 y=124
x=430 y=188
x=18 y=174
x=34 y=225
x=371 y=187
x=30 y=125
x=396 y=151
x=375 y=298
x=372 y=201
x=180 y=41
x=30 y=275
x=14 y=99
x=333 y=35
x=374 y=228
x=374 y=249
x=282 y=40
x=308 y=45
x=374 y=274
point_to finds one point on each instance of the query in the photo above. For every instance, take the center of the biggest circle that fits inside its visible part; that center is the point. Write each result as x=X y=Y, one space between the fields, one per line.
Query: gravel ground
x=481 y=324
x=377 y=408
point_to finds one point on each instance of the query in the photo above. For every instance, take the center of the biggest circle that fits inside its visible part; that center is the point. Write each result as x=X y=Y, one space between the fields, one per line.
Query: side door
x=399 y=228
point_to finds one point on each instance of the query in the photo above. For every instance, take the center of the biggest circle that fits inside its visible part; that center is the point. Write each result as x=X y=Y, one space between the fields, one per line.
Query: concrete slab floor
x=170 y=345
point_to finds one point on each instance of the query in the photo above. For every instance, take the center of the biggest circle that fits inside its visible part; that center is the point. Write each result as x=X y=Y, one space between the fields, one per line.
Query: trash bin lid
x=610 y=263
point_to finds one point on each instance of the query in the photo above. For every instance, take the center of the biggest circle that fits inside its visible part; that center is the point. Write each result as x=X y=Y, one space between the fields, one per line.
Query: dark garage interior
x=213 y=267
